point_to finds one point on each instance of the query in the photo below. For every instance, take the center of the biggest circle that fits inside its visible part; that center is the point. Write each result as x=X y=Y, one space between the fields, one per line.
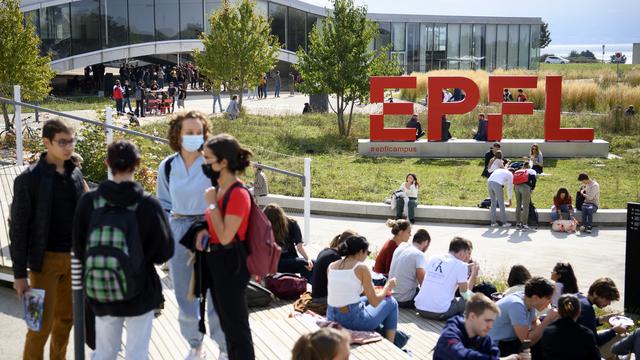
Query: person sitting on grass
x=487 y=158
x=408 y=268
x=565 y=338
x=347 y=280
x=535 y=159
x=468 y=337
x=401 y=230
x=447 y=273
x=566 y=282
x=496 y=162
x=518 y=322
x=561 y=204
x=324 y=259
x=602 y=293
x=415 y=124
x=322 y=344
x=289 y=237
x=408 y=202
x=518 y=276
x=591 y=192
x=233 y=110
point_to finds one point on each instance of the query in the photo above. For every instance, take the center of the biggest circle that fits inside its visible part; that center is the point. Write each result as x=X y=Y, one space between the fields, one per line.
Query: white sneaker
x=196 y=355
x=494 y=224
x=506 y=225
x=525 y=227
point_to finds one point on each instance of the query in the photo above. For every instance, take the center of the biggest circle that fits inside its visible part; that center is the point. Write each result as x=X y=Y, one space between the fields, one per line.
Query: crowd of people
x=198 y=222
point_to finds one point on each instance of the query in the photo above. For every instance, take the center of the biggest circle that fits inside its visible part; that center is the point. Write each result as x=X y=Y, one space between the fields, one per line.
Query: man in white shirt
x=495 y=184
x=408 y=267
x=445 y=273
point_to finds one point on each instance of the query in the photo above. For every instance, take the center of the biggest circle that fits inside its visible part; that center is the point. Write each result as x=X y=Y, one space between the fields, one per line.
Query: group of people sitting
x=535 y=318
x=502 y=173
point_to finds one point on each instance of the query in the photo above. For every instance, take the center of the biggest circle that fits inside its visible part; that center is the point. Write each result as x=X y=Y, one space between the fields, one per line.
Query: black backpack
x=167 y=167
x=579 y=200
x=533 y=215
x=114 y=260
x=485 y=204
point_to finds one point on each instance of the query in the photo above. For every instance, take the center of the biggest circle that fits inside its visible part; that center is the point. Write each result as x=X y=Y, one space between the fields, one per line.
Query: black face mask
x=211 y=174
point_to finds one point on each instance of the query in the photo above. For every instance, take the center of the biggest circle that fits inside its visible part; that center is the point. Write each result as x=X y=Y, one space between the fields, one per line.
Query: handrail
x=81 y=119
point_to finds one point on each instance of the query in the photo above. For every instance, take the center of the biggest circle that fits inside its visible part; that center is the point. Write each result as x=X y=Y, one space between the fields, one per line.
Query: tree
x=340 y=62
x=545 y=35
x=622 y=60
x=574 y=54
x=239 y=47
x=588 y=54
x=20 y=60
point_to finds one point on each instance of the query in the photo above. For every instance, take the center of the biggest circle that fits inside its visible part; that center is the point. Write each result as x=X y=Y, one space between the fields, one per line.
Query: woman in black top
x=567 y=340
x=324 y=259
x=288 y=235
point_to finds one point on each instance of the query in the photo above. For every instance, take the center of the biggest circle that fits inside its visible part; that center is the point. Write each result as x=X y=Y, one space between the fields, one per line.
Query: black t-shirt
x=63 y=204
x=319 y=277
x=294 y=238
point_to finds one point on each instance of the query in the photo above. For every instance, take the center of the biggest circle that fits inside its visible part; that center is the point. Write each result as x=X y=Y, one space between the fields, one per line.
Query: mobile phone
x=205 y=241
x=526 y=345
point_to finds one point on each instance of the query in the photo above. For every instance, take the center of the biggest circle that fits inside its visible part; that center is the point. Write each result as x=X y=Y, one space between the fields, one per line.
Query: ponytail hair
x=226 y=147
x=353 y=245
x=340 y=238
x=323 y=344
x=398 y=225
x=569 y=306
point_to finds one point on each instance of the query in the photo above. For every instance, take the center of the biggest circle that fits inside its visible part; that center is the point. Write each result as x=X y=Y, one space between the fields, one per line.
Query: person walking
x=226 y=257
x=180 y=185
x=292 y=83
x=126 y=96
x=278 y=84
x=139 y=94
x=117 y=95
x=44 y=201
x=119 y=217
x=215 y=91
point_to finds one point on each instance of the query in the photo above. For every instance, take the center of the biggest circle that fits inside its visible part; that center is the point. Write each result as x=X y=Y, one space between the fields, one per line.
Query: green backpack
x=114 y=261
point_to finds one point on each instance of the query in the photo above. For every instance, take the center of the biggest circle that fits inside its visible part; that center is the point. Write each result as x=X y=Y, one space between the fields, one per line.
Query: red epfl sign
x=437 y=108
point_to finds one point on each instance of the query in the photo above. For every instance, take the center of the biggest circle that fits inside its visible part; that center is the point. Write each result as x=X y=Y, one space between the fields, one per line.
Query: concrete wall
x=448 y=214
x=467 y=148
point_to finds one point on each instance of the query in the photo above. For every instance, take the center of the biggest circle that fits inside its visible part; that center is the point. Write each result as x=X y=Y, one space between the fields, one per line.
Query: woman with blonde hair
x=288 y=235
x=323 y=344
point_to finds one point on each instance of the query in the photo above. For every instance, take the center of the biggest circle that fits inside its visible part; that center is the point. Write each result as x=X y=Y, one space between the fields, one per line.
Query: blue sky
x=570 y=21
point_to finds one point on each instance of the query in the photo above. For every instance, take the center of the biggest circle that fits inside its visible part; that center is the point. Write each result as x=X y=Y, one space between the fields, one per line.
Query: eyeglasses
x=65 y=142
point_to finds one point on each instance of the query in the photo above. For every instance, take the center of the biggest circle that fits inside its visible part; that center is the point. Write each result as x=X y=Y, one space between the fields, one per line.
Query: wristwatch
x=213 y=206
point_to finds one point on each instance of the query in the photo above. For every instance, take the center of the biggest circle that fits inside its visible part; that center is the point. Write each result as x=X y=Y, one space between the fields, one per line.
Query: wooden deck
x=7 y=174
x=275 y=333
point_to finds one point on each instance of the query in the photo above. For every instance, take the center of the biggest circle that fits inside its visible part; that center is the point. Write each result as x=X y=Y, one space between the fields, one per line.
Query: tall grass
x=577 y=95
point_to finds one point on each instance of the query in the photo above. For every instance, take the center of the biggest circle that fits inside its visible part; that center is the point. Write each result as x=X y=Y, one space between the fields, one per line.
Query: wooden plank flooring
x=7 y=174
x=274 y=333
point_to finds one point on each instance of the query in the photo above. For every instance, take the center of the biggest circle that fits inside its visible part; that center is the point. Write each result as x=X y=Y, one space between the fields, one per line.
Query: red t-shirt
x=239 y=205
x=383 y=261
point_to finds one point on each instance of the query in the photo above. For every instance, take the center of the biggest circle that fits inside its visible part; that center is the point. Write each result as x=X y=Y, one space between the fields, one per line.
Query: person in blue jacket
x=468 y=337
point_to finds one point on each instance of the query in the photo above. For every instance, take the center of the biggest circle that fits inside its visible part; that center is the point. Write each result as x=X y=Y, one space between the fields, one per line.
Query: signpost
x=631 y=273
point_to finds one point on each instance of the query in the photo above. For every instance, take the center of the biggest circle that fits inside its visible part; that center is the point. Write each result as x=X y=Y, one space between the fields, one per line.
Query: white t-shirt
x=438 y=289
x=407 y=258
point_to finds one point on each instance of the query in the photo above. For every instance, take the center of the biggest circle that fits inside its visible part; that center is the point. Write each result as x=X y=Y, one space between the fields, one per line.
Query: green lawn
x=339 y=173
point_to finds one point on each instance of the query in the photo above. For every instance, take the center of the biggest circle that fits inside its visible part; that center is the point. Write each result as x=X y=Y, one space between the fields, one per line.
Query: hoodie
x=454 y=343
x=155 y=234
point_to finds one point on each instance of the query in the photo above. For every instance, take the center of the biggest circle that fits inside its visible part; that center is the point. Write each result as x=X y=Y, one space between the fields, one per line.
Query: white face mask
x=192 y=143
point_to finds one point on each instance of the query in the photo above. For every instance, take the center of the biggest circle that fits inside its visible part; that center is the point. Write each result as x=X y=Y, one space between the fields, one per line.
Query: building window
x=535 y=47
x=384 y=36
x=191 y=19
x=296 y=29
x=512 y=53
x=85 y=31
x=523 y=54
x=490 y=63
x=479 y=47
x=440 y=46
x=141 y=21
x=426 y=47
x=311 y=21
x=501 y=46
x=114 y=21
x=466 y=37
x=167 y=20
x=278 y=15
x=453 y=46
x=33 y=16
x=55 y=31
x=398 y=35
x=413 y=47
x=212 y=6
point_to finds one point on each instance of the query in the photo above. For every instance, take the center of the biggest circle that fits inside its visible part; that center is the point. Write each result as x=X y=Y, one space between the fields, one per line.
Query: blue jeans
x=109 y=336
x=216 y=98
x=564 y=208
x=588 y=210
x=277 y=92
x=364 y=317
x=189 y=311
x=125 y=102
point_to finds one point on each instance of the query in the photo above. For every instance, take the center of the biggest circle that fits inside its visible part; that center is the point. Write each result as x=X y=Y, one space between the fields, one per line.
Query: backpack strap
x=167 y=167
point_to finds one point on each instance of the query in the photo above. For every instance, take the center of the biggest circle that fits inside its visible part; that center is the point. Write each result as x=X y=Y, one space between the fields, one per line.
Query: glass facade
x=278 y=15
x=191 y=19
x=87 y=25
x=296 y=30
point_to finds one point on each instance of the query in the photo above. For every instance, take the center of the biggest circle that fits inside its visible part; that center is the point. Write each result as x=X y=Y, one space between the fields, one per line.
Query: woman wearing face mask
x=179 y=188
x=226 y=255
